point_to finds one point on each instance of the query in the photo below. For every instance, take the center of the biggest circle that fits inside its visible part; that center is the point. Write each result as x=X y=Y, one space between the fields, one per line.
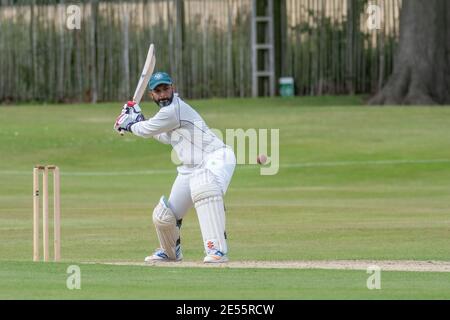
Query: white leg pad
x=208 y=200
x=166 y=228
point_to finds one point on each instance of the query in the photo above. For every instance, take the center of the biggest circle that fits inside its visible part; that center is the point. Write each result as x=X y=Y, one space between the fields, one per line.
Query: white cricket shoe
x=161 y=255
x=215 y=257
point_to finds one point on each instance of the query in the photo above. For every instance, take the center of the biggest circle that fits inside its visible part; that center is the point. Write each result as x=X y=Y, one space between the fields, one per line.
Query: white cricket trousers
x=220 y=162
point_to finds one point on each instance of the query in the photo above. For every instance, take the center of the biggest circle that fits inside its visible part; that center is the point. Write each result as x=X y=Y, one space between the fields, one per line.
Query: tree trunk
x=33 y=41
x=60 y=72
x=422 y=64
x=125 y=52
x=179 y=44
x=229 y=62
x=350 y=76
x=93 y=50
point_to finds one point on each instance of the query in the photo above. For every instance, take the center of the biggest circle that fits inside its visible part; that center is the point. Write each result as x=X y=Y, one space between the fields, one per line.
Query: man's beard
x=164 y=102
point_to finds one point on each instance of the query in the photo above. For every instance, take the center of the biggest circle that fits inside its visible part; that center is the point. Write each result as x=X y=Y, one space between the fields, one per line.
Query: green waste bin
x=286 y=86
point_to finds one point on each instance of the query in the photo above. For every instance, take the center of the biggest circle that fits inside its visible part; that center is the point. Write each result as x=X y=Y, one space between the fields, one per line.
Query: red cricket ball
x=261 y=159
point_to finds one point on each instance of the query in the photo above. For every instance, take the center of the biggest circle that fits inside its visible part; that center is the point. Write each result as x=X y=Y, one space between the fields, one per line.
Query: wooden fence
x=204 y=44
x=330 y=49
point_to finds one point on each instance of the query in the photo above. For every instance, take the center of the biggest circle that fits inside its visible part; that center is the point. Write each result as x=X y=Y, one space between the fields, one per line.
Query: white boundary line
x=241 y=167
x=369 y=162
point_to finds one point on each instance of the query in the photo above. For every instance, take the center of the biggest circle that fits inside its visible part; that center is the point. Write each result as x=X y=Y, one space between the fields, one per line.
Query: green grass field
x=355 y=182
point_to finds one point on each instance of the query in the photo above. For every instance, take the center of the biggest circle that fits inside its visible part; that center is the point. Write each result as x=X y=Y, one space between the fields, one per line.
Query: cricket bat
x=147 y=72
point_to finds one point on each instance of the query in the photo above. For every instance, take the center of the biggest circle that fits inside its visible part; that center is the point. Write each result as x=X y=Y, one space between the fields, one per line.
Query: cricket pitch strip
x=385 y=265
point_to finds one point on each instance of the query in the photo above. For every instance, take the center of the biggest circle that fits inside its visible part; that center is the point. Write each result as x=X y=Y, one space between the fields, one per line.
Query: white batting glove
x=131 y=114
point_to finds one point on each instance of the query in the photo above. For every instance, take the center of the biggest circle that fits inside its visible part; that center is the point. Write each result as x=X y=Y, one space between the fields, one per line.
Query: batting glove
x=131 y=114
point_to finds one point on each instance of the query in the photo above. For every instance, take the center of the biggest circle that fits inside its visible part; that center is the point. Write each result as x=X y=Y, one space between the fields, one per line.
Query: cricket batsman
x=207 y=165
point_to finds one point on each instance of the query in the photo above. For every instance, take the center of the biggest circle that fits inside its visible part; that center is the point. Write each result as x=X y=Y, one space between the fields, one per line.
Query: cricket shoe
x=215 y=257
x=161 y=256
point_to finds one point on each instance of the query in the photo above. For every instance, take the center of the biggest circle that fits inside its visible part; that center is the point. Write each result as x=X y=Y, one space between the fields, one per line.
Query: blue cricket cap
x=159 y=78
